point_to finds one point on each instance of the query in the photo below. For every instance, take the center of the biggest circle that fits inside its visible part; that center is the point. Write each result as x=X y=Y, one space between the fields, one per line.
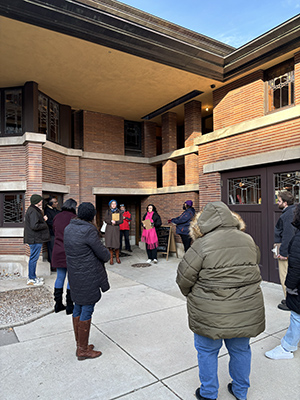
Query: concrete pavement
x=140 y=325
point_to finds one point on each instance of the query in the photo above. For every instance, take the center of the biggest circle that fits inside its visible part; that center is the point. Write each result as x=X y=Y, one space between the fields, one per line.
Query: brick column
x=149 y=142
x=192 y=129
x=34 y=170
x=169 y=143
x=72 y=178
x=297 y=79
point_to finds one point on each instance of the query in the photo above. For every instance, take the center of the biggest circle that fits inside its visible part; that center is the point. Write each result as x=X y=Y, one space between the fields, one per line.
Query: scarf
x=149 y=236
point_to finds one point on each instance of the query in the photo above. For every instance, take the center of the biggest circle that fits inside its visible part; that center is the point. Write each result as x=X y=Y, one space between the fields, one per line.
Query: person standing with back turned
x=220 y=277
x=283 y=234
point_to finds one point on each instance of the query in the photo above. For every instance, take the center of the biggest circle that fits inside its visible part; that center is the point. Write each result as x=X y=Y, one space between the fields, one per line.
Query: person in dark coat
x=283 y=233
x=51 y=211
x=114 y=218
x=36 y=233
x=85 y=255
x=149 y=236
x=183 y=224
x=60 y=221
x=290 y=341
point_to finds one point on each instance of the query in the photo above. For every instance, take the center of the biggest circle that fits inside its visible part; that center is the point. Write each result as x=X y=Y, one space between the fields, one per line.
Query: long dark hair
x=296 y=220
x=69 y=205
x=153 y=206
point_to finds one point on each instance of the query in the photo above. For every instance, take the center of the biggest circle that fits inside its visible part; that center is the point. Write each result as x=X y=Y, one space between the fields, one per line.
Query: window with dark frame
x=13 y=112
x=12 y=209
x=280 y=90
x=133 y=138
x=48 y=118
x=246 y=190
x=289 y=181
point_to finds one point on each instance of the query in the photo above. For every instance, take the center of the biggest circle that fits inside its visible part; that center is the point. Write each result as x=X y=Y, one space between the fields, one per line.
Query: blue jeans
x=85 y=312
x=35 y=250
x=292 y=337
x=239 y=365
x=60 y=278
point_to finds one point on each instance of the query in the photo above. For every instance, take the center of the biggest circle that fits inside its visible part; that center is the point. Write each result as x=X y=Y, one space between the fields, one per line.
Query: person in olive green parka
x=220 y=277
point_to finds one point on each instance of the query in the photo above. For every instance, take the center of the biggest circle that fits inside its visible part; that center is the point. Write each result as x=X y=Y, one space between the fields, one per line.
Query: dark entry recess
x=262 y=214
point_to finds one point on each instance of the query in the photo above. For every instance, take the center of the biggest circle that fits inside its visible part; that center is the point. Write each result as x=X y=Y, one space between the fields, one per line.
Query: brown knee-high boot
x=118 y=256
x=111 y=256
x=83 y=350
x=75 y=328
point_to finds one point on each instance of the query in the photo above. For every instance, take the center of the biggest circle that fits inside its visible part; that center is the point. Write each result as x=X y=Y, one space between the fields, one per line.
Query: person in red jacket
x=125 y=228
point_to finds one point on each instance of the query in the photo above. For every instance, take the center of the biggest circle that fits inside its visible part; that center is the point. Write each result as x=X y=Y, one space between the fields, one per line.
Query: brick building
x=99 y=100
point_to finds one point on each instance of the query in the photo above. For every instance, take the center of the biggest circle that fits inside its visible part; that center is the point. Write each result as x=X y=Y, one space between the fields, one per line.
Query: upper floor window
x=280 y=85
x=133 y=138
x=12 y=209
x=48 y=118
x=11 y=112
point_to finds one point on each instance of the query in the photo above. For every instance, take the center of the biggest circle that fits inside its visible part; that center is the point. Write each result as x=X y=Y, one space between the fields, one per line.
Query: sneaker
x=199 y=397
x=155 y=261
x=149 y=261
x=283 y=307
x=30 y=282
x=229 y=387
x=40 y=278
x=278 y=353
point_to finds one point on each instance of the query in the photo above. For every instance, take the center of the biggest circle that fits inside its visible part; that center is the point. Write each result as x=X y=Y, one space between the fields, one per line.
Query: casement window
x=12 y=209
x=279 y=81
x=133 y=138
x=289 y=181
x=11 y=112
x=246 y=190
x=48 y=118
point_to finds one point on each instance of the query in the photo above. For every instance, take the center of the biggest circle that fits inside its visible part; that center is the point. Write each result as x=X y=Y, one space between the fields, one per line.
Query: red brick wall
x=12 y=161
x=192 y=121
x=297 y=78
x=169 y=132
x=13 y=246
x=73 y=178
x=103 y=133
x=239 y=101
x=149 y=139
x=54 y=167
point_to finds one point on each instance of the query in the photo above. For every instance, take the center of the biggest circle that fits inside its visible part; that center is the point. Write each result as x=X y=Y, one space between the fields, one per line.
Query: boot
x=118 y=256
x=75 y=328
x=83 y=350
x=58 y=292
x=111 y=256
x=70 y=305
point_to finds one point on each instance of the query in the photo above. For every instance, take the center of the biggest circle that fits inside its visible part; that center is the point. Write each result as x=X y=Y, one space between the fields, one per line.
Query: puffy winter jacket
x=36 y=230
x=85 y=255
x=284 y=230
x=183 y=221
x=220 y=277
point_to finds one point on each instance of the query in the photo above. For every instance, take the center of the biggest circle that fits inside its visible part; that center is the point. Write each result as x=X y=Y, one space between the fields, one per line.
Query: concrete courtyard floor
x=141 y=327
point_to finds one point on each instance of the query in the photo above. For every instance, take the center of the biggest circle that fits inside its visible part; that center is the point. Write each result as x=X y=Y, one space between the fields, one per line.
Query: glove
x=169 y=221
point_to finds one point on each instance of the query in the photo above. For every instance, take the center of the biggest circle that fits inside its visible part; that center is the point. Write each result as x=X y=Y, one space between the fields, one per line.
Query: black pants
x=152 y=253
x=186 y=240
x=126 y=236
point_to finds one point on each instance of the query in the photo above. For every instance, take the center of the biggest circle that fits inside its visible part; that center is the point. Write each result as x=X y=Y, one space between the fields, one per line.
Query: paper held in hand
x=115 y=216
x=275 y=250
x=147 y=224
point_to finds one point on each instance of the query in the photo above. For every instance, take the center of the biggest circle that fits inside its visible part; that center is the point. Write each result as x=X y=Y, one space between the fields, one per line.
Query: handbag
x=103 y=227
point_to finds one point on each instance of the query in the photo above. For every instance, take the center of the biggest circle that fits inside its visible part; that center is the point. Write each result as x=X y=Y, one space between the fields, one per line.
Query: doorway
x=252 y=193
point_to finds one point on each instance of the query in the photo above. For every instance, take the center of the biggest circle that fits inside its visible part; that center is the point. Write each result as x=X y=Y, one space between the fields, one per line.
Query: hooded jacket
x=85 y=255
x=183 y=221
x=220 y=277
x=35 y=230
x=293 y=276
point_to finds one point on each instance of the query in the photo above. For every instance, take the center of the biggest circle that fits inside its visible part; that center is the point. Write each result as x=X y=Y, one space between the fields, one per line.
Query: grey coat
x=220 y=277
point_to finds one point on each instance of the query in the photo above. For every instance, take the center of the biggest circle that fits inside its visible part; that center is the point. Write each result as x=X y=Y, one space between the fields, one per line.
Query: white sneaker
x=278 y=353
x=34 y=282
x=40 y=278
x=149 y=261
x=155 y=261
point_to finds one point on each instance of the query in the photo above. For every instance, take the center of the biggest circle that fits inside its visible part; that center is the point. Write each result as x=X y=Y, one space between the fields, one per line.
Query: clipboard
x=147 y=224
x=115 y=217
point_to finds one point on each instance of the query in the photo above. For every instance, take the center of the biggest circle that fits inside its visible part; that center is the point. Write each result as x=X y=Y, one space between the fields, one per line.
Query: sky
x=234 y=22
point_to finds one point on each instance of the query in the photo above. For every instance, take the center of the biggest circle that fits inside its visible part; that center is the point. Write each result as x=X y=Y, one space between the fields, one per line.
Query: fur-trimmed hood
x=214 y=215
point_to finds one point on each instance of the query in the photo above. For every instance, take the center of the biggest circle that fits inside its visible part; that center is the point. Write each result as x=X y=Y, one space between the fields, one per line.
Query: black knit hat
x=35 y=198
x=86 y=211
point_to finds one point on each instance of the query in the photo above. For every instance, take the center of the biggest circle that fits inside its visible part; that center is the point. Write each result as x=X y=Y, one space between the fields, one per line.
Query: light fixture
x=206 y=109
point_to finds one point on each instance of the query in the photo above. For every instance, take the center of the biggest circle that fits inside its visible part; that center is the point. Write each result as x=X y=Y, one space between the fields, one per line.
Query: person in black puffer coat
x=289 y=343
x=85 y=255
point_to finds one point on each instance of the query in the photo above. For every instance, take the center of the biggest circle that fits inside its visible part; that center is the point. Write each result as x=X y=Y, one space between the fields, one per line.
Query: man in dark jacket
x=36 y=232
x=85 y=255
x=284 y=231
x=183 y=224
x=290 y=341
x=51 y=211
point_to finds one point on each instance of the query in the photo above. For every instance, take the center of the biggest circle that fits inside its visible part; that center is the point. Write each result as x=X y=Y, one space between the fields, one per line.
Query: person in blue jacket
x=183 y=223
